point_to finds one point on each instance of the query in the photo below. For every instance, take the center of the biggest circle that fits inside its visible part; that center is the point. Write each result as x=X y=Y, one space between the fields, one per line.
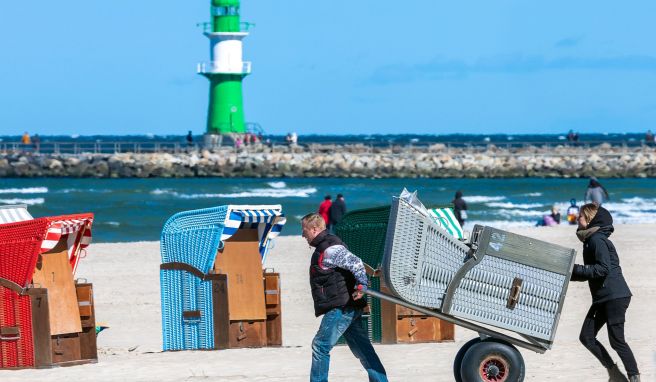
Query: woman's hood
x=603 y=220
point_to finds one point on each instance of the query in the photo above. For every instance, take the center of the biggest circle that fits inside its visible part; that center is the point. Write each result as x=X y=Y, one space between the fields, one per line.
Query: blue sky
x=428 y=67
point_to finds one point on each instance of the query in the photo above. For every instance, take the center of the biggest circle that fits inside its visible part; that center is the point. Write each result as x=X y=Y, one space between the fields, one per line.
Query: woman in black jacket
x=610 y=293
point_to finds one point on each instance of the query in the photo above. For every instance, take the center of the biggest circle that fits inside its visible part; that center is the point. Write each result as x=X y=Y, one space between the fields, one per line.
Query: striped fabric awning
x=268 y=219
x=445 y=218
x=79 y=237
x=14 y=213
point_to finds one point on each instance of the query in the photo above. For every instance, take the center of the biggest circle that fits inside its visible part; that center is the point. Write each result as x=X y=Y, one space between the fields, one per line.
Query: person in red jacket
x=324 y=208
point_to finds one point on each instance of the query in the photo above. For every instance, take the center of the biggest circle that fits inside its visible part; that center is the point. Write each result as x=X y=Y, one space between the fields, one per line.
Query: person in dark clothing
x=190 y=140
x=338 y=280
x=337 y=211
x=610 y=293
x=460 y=208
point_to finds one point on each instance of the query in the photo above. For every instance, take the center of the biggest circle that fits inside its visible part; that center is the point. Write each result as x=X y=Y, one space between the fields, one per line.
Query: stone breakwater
x=351 y=161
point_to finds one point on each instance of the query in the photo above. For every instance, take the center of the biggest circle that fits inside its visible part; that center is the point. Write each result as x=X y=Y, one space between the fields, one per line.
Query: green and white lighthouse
x=226 y=70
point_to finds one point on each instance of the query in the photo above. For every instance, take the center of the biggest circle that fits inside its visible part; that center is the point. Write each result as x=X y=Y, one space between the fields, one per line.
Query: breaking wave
x=29 y=202
x=25 y=190
x=483 y=199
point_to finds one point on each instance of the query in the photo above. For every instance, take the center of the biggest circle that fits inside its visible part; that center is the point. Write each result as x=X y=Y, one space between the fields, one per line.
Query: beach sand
x=127 y=297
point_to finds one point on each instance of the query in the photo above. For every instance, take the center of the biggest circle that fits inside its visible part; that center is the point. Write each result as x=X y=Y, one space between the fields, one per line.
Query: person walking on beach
x=337 y=280
x=337 y=211
x=610 y=293
x=460 y=208
x=595 y=193
x=324 y=209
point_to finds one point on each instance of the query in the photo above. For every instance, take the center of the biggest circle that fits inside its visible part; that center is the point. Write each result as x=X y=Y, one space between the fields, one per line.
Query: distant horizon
x=349 y=135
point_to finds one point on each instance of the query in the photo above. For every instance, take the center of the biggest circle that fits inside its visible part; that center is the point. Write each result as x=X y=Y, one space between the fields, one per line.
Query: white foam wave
x=522 y=213
x=113 y=224
x=85 y=190
x=258 y=193
x=25 y=190
x=633 y=210
x=254 y=193
x=502 y=224
x=513 y=205
x=159 y=191
x=483 y=199
x=29 y=202
x=277 y=184
x=532 y=194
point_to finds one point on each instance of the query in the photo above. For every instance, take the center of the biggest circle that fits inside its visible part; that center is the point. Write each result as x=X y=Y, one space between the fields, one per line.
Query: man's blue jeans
x=344 y=322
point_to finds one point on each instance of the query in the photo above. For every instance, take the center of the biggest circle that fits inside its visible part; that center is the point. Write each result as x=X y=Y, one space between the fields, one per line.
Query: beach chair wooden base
x=273 y=308
x=248 y=333
x=404 y=325
x=52 y=350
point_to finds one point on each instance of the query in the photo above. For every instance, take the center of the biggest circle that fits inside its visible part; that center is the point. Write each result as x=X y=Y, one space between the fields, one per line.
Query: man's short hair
x=327 y=197
x=340 y=196
x=313 y=220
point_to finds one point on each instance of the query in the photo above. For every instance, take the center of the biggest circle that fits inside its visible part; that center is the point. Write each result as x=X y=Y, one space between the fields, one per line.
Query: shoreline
x=345 y=161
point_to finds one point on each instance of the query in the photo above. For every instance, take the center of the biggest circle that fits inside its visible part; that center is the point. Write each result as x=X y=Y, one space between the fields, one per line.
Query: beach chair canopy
x=21 y=243
x=193 y=237
x=445 y=218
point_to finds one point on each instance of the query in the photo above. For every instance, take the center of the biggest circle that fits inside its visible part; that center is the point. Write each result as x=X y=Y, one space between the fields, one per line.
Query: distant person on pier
x=596 y=193
x=36 y=142
x=649 y=138
x=26 y=140
x=460 y=208
x=572 y=212
x=570 y=136
x=190 y=140
x=337 y=211
x=324 y=209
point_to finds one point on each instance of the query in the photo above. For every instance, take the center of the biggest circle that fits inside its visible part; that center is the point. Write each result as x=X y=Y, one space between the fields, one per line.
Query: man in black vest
x=338 y=281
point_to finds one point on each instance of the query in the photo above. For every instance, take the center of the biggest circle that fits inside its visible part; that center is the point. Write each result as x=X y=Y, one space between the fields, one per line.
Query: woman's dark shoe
x=634 y=378
x=615 y=375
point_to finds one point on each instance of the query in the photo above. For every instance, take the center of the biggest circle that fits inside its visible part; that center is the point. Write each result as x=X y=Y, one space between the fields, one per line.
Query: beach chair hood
x=22 y=241
x=193 y=237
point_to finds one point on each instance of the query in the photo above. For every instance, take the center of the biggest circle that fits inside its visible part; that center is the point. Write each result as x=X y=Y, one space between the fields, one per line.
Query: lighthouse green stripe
x=226 y=111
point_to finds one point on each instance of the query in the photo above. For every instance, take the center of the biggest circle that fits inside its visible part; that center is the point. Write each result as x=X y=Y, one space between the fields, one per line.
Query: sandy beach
x=127 y=296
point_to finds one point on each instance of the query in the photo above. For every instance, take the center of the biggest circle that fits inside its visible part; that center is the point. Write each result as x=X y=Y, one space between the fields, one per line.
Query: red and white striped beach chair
x=25 y=339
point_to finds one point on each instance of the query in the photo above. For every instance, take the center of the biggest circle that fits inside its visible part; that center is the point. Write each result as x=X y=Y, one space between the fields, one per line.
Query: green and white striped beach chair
x=446 y=219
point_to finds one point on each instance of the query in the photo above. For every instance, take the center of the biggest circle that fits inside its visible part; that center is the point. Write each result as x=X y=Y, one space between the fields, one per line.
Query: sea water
x=136 y=209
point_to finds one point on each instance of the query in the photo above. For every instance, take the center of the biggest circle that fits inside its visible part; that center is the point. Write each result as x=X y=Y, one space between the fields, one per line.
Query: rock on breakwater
x=354 y=161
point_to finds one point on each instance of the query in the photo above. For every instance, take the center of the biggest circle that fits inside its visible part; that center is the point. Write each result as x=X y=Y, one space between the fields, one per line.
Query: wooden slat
x=55 y=273
x=40 y=327
x=240 y=260
x=88 y=339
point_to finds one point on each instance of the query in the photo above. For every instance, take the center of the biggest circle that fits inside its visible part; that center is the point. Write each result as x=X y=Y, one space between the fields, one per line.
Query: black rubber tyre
x=492 y=361
x=457 y=362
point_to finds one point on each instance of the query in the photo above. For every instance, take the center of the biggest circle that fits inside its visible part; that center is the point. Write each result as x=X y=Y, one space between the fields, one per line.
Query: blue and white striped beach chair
x=189 y=244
